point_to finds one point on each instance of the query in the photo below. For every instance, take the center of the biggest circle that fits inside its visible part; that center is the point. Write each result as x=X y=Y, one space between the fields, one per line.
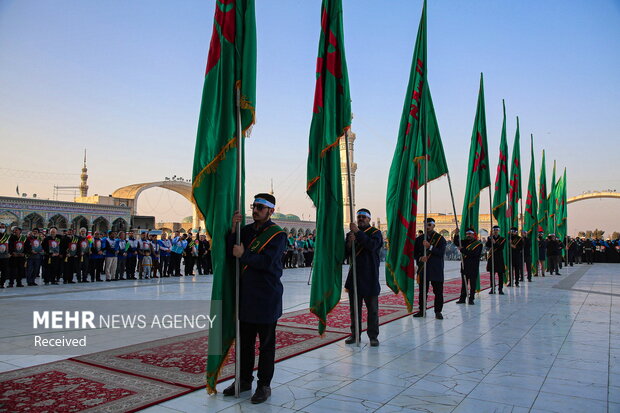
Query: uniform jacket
x=260 y=287
x=434 y=265
x=367 y=247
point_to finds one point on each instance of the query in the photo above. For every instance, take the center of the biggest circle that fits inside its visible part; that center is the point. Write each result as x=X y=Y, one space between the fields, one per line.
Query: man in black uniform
x=4 y=255
x=429 y=253
x=542 y=253
x=17 y=262
x=495 y=258
x=554 y=249
x=471 y=249
x=571 y=249
x=69 y=250
x=516 y=251
x=527 y=254
x=51 y=246
x=260 y=290
x=368 y=242
x=84 y=265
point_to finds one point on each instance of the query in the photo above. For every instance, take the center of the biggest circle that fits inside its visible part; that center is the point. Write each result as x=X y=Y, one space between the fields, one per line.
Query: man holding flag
x=418 y=159
x=260 y=305
x=478 y=178
x=471 y=249
x=227 y=113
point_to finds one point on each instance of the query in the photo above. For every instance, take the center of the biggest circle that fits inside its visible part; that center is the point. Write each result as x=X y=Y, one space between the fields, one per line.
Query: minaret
x=343 y=170
x=84 y=179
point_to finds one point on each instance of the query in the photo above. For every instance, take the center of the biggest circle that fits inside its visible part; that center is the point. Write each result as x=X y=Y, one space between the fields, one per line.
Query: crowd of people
x=82 y=257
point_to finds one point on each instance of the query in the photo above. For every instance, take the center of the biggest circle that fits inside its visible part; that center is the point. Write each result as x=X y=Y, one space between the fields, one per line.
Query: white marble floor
x=539 y=348
x=552 y=345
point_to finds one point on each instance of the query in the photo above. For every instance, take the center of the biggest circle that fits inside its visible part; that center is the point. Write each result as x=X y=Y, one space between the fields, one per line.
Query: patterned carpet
x=131 y=378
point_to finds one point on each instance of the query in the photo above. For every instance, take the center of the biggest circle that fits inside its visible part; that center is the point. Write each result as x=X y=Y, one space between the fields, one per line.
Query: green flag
x=514 y=184
x=501 y=188
x=551 y=204
x=531 y=211
x=418 y=158
x=478 y=176
x=560 y=204
x=330 y=121
x=563 y=214
x=543 y=208
x=231 y=64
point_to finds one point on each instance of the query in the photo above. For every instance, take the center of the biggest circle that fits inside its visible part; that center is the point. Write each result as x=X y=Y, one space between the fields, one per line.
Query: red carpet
x=134 y=377
x=182 y=360
x=68 y=386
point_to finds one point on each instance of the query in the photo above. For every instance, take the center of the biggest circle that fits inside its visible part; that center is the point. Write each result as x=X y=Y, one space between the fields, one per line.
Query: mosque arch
x=593 y=195
x=59 y=221
x=119 y=224
x=33 y=220
x=79 y=222
x=101 y=224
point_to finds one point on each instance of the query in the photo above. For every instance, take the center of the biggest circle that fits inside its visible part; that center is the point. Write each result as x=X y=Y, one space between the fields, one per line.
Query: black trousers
x=130 y=266
x=69 y=268
x=267 y=351
x=471 y=280
x=438 y=291
x=528 y=267
x=372 y=308
x=18 y=269
x=175 y=262
x=96 y=268
x=500 y=277
x=53 y=269
x=189 y=265
x=589 y=256
x=554 y=262
x=4 y=271
x=517 y=271
x=84 y=268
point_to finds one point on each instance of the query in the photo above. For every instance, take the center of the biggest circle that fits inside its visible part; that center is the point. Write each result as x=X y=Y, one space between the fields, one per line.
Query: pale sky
x=124 y=79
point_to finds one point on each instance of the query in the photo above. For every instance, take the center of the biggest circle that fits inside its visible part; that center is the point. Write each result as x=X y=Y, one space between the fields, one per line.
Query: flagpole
x=456 y=221
x=423 y=286
x=238 y=242
x=356 y=309
x=492 y=242
x=522 y=229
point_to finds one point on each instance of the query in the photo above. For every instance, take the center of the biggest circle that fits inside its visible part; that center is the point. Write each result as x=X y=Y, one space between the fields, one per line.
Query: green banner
x=331 y=119
x=231 y=66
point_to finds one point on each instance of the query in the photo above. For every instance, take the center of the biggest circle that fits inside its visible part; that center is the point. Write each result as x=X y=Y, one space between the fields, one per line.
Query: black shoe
x=350 y=340
x=55 y=283
x=230 y=390
x=108 y=280
x=418 y=314
x=374 y=342
x=99 y=280
x=461 y=301
x=509 y=285
x=20 y=285
x=491 y=292
x=438 y=316
x=529 y=280
x=471 y=302
x=71 y=282
x=261 y=394
x=517 y=284
x=501 y=293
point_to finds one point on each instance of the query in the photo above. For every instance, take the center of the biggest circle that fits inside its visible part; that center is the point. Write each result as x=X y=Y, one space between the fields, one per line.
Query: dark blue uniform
x=368 y=243
x=471 y=267
x=260 y=291
x=497 y=263
x=434 y=266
